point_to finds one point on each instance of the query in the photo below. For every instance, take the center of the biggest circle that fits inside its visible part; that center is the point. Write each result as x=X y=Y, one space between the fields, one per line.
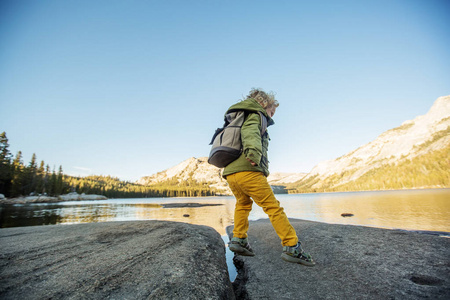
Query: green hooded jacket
x=254 y=145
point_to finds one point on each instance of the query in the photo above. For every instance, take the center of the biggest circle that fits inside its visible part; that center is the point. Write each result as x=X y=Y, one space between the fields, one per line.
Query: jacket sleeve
x=251 y=138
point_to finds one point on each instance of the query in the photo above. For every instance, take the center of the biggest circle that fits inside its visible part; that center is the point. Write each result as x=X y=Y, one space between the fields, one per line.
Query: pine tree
x=59 y=185
x=47 y=184
x=52 y=184
x=17 y=176
x=40 y=178
x=30 y=174
x=5 y=165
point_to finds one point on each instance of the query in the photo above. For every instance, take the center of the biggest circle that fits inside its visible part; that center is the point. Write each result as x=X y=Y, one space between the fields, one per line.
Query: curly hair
x=266 y=100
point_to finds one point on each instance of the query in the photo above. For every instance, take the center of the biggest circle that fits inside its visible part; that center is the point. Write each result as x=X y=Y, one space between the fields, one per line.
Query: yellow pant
x=248 y=186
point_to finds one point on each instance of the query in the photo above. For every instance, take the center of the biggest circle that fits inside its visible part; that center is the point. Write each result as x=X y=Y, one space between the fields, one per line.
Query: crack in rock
x=239 y=284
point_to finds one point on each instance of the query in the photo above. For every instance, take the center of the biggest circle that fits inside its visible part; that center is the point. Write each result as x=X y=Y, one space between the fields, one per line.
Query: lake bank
x=51 y=199
x=158 y=259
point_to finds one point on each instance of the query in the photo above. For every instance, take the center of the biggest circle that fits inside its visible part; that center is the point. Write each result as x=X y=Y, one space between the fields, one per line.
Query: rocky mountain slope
x=199 y=170
x=412 y=139
x=283 y=179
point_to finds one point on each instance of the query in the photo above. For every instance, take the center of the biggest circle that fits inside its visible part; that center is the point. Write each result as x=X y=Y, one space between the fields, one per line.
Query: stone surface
x=168 y=260
x=78 y=197
x=117 y=260
x=353 y=262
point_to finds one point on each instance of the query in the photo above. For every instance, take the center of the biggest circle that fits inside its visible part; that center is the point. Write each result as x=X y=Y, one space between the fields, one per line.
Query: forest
x=18 y=179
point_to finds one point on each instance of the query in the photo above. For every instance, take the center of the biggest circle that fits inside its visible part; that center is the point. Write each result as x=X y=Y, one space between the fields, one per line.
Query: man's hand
x=251 y=161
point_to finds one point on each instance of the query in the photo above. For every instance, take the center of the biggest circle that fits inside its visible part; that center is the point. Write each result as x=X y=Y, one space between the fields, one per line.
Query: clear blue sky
x=130 y=88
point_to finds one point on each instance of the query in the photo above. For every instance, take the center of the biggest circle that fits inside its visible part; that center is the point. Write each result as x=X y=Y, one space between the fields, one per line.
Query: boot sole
x=238 y=249
x=295 y=260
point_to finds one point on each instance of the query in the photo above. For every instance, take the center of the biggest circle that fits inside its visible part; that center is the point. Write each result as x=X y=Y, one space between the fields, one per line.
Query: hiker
x=247 y=178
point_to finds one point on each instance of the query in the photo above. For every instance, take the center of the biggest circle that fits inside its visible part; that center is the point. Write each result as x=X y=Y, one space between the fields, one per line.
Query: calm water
x=412 y=210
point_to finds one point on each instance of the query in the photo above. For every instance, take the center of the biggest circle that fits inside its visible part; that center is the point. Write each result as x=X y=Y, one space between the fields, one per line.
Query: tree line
x=18 y=179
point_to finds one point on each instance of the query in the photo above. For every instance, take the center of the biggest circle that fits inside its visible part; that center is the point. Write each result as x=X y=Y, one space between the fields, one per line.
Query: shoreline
x=376 y=191
x=65 y=197
x=52 y=199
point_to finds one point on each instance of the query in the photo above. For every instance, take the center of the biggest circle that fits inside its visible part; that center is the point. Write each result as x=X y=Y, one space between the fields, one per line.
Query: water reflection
x=215 y=212
x=217 y=215
x=27 y=215
x=414 y=210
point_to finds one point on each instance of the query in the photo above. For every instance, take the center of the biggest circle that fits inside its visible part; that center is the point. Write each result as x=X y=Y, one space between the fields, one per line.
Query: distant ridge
x=411 y=142
x=199 y=170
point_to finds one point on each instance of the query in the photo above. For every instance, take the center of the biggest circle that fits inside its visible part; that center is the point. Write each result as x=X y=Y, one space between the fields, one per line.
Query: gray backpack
x=226 y=141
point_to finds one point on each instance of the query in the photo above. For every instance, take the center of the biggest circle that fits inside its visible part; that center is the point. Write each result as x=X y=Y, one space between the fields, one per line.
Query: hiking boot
x=295 y=254
x=241 y=247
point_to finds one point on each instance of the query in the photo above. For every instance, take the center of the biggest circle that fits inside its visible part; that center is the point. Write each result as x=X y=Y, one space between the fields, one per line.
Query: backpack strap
x=263 y=123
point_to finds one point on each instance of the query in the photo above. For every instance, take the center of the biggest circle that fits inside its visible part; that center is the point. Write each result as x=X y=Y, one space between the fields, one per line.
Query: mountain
x=195 y=169
x=412 y=146
x=283 y=179
x=415 y=154
x=200 y=171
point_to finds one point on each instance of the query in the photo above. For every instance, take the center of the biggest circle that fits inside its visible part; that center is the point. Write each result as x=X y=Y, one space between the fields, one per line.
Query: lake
x=424 y=210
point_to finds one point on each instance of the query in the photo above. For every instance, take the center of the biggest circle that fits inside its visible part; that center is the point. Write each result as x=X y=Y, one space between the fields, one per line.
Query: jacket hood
x=253 y=106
